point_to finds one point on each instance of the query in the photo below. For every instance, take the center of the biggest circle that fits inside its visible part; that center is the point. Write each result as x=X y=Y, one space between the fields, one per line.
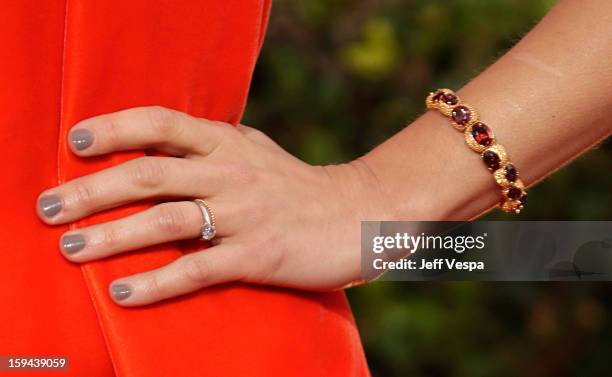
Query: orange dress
x=62 y=61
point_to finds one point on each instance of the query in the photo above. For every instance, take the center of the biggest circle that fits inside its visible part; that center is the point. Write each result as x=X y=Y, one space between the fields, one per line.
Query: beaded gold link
x=480 y=138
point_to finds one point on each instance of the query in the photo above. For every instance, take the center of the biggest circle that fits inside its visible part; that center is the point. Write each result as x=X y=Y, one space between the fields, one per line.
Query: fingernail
x=72 y=243
x=81 y=138
x=121 y=291
x=50 y=205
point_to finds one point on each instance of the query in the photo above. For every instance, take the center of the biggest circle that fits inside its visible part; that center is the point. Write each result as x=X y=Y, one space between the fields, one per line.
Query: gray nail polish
x=72 y=243
x=50 y=205
x=81 y=138
x=121 y=291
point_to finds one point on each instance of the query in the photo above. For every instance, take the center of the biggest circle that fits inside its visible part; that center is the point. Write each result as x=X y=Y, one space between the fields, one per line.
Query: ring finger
x=162 y=223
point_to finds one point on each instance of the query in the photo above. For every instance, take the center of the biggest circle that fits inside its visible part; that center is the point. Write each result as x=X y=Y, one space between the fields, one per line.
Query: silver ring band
x=208 y=231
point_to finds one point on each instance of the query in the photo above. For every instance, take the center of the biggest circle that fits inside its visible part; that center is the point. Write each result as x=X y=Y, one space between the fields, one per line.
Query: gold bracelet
x=481 y=139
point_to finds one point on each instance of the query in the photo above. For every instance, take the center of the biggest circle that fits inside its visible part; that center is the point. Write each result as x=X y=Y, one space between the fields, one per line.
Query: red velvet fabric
x=62 y=61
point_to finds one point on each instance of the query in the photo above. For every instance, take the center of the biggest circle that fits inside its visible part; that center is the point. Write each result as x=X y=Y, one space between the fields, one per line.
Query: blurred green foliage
x=335 y=79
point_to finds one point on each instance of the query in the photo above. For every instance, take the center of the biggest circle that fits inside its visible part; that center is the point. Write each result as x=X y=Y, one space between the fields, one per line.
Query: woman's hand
x=279 y=220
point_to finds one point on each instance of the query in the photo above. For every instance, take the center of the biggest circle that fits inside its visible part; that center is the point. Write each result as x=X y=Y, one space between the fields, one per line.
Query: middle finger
x=138 y=179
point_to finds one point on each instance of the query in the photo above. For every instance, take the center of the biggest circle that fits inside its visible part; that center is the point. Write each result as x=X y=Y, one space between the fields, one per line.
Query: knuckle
x=252 y=133
x=240 y=173
x=148 y=172
x=112 y=131
x=257 y=209
x=197 y=270
x=111 y=238
x=231 y=133
x=163 y=121
x=153 y=287
x=84 y=193
x=171 y=220
x=260 y=136
x=228 y=134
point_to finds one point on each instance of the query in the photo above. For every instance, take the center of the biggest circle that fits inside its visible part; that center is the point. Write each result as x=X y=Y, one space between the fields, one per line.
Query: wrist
x=435 y=178
x=363 y=195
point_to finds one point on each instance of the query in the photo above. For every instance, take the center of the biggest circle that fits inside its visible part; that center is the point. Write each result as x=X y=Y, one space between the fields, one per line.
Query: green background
x=335 y=79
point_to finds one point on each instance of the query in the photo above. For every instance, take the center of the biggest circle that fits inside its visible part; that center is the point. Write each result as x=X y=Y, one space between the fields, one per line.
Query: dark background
x=338 y=77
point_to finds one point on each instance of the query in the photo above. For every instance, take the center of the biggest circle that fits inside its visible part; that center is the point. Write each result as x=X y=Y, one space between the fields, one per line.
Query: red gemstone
x=447 y=98
x=482 y=134
x=514 y=193
x=511 y=173
x=438 y=96
x=450 y=99
x=461 y=115
x=491 y=159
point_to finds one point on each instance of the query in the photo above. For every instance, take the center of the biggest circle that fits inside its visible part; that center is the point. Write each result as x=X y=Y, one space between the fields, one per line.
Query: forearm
x=547 y=100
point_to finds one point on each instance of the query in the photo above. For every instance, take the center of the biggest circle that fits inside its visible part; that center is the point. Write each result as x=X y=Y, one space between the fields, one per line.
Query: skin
x=546 y=101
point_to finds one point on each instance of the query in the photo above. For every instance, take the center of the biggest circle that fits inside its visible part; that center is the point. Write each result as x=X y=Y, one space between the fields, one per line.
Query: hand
x=279 y=220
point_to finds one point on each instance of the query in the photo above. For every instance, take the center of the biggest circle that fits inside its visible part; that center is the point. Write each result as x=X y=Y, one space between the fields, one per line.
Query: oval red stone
x=511 y=173
x=447 y=98
x=514 y=193
x=461 y=115
x=438 y=96
x=482 y=134
x=450 y=99
x=491 y=159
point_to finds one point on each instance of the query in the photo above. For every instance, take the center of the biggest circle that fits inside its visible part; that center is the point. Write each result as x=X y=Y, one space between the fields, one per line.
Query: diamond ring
x=208 y=230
